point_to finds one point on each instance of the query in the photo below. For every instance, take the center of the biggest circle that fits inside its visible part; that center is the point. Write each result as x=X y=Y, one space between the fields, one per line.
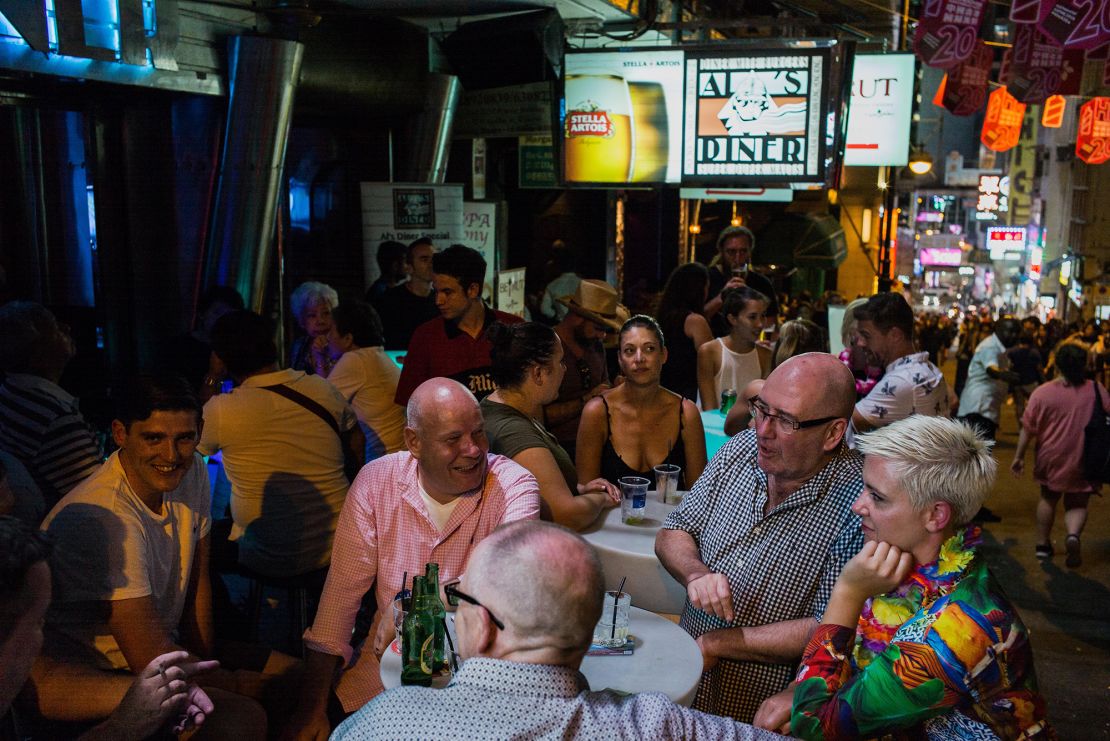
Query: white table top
x=666 y=660
x=629 y=550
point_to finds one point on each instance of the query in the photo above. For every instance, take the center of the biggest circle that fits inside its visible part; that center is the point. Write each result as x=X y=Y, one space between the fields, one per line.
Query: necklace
x=884 y=614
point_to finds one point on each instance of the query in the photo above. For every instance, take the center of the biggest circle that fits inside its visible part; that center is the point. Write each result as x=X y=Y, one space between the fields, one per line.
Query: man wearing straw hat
x=592 y=312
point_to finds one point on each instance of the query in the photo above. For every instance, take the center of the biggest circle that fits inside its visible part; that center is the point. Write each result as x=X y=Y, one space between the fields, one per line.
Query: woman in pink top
x=1056 y=415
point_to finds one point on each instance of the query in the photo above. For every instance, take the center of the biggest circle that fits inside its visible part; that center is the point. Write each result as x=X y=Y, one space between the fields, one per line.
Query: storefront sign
x=994 y=194
x=536 y=162
x=505 y=112
x=1005 y=239
x=941 y=256
x=1092 y=145
x=1002 y=126
x=965 y=89
x=947 y=31
x=406 y=211
x=880 y=109
x=774 y=195
x=623 y=117
x=755 y=116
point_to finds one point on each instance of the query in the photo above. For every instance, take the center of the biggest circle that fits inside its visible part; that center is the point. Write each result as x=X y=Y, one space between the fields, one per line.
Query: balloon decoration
x=1093 y=143
x=1002 y=126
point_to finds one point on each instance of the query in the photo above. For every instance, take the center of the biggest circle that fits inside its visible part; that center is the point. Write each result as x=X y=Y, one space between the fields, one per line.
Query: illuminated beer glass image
x=599 y=142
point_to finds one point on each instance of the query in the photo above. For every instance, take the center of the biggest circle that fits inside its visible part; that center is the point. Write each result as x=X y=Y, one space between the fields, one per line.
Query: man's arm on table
x=773 y=643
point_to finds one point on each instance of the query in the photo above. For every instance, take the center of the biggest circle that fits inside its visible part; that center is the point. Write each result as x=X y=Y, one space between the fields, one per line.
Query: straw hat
x=597 y=301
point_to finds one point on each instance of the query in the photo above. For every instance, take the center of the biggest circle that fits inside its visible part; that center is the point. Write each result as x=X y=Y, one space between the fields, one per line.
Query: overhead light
x=695 y=228
x=736 y=220
x=921 y=161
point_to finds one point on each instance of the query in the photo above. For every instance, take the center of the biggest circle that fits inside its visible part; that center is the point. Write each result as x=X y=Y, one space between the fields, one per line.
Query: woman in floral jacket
x=918 y=639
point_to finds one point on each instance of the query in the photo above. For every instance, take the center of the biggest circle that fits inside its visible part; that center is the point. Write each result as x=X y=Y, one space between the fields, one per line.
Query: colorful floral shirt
x=944 y=656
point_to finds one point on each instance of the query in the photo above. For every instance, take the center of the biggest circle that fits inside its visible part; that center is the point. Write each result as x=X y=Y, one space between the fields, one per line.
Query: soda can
x=728 y=398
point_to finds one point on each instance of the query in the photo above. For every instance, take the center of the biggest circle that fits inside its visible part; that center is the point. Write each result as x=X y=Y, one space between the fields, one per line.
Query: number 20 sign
x=1092 y=145
x=947 y=31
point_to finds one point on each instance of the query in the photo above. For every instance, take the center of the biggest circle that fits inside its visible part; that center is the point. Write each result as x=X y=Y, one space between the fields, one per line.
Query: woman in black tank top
x=638 y=425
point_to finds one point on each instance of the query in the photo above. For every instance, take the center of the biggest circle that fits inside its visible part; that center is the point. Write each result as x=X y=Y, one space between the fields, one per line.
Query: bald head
x=544 y=608
x=434 y=396
x=823 y=384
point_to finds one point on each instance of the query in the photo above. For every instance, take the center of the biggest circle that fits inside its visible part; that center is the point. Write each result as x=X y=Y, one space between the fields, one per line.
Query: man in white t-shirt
x=911 y=384
x=290 y=445
x=130 y=566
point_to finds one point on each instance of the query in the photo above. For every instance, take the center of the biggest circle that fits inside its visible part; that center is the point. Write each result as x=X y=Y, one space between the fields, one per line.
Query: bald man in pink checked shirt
x=434 y=502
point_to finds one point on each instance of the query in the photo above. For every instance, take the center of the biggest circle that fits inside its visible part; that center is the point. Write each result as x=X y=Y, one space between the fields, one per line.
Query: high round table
x=666 y=660
x=629 y=550
x=714 y=423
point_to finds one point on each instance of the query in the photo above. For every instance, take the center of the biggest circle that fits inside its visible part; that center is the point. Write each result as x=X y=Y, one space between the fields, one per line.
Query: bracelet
x=211 y=381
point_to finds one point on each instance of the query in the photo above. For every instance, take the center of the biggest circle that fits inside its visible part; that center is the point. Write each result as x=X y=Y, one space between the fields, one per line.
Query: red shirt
x=440 y=349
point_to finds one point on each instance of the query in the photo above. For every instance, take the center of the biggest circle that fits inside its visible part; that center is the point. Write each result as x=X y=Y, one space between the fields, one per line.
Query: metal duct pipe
x=430 y=139
x=264 y=73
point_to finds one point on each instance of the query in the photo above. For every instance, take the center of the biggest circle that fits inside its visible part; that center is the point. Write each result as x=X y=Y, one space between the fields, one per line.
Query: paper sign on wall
x=510 y=291
x=405 y=212
x=480 y=232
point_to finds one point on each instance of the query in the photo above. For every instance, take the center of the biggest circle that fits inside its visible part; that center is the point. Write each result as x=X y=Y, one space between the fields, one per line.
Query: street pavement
x=1066 y=610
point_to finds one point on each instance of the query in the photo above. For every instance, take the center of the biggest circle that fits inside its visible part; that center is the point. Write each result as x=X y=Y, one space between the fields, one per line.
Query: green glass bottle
x=417 y=633
x=431 y=581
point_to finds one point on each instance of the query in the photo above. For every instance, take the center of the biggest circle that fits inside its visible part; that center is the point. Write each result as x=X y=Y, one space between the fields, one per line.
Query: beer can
x=728 y=398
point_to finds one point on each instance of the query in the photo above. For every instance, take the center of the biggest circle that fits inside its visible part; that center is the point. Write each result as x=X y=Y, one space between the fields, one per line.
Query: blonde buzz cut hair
x=936 y=459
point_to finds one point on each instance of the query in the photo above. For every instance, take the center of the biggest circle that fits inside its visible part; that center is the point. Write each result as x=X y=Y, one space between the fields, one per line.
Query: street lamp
x=921 y=162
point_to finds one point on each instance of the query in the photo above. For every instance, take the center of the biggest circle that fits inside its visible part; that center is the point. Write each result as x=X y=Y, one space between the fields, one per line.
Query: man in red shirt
x=454 y=344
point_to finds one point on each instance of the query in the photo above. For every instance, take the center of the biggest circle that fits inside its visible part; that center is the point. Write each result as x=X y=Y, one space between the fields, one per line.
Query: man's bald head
x=543 y=581
x=434 y=395
x=824 y=385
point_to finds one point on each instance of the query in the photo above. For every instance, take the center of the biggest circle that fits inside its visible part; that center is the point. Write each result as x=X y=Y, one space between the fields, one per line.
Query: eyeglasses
x=454 y=595
x=786 y=424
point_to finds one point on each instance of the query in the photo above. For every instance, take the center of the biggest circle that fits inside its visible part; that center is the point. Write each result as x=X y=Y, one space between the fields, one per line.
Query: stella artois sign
x=1002 y=126
x=589 y=123
x=1093 y=143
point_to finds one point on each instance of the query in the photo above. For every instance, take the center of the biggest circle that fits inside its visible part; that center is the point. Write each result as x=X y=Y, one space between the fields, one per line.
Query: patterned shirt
x=385 y=530
x=960 y=668
x=490 y=698
x=911 y=385
x=780 y=566
x=41 y=425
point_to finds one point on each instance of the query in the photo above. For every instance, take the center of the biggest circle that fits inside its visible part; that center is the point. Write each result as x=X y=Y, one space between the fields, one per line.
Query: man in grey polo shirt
x=762 y=536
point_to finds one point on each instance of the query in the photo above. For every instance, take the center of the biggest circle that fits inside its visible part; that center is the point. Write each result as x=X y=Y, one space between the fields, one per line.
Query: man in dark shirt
x=405 y=307
x=735 y=245
x=454 y=344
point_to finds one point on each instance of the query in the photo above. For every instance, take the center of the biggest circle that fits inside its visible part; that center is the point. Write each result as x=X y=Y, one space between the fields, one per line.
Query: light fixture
x=695 y=228
x=921 y=161
x=736 y=220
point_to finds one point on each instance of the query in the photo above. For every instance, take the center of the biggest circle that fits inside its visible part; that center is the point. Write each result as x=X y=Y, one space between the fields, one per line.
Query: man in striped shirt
x=40 y=423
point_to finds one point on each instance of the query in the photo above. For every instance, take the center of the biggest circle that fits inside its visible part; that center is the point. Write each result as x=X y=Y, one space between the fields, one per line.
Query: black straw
x=616 y=599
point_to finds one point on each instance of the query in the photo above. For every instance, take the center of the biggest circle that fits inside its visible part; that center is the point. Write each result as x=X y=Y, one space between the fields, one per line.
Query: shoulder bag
x=1096 y=443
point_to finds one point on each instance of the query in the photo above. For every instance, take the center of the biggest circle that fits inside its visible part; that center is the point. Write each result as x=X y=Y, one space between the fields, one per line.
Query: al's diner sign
x=752 y=116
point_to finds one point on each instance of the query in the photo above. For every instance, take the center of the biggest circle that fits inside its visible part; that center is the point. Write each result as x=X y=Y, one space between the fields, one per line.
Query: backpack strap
x=310 y=404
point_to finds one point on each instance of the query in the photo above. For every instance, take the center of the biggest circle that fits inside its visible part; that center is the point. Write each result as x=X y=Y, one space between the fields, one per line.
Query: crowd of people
x=829 y=550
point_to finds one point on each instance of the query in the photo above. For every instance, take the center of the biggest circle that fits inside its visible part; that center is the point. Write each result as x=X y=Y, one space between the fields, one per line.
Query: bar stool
x=297 y=589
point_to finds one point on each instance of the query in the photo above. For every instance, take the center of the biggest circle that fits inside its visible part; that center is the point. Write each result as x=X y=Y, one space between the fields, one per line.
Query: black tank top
x=614 y=468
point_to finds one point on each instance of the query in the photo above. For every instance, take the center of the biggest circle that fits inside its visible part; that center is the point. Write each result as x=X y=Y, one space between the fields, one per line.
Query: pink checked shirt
x=385 y=530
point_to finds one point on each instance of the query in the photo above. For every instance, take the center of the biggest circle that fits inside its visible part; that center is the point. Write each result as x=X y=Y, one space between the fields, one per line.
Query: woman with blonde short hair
x=918 y=639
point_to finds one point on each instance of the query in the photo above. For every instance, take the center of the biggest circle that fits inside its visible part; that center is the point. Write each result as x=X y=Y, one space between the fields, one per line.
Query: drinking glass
x=633 y=499
x=612 y=630
x=666 y=482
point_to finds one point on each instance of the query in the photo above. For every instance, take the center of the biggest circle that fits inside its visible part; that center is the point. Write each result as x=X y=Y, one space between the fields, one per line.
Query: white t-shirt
x=440 y=513
x=737 y=369
x=109 y=546
x=285 y=466
x=367 y=378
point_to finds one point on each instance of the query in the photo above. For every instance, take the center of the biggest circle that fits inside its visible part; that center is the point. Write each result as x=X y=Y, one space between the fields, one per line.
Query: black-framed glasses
x=454 y=595
x=786 y=424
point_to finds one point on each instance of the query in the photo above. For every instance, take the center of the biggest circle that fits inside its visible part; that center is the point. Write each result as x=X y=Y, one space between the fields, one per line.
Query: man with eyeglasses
x=130 y=574
x=433 y=502
x=764 y=533
x=523 y=629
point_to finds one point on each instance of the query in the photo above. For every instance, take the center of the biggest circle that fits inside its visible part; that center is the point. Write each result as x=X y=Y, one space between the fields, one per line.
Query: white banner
x=405 y=212
x=880 y=109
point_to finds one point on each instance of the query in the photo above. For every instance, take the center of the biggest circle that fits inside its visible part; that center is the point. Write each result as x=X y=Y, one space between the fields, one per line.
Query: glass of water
x=612 y=630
